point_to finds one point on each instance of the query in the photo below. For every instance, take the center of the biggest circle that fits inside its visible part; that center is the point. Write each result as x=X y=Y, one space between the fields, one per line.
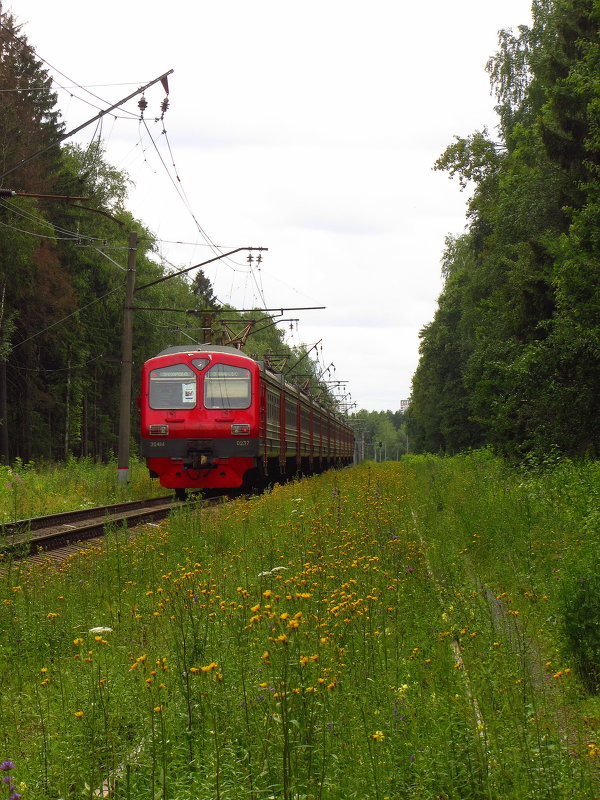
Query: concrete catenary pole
x=127 y=364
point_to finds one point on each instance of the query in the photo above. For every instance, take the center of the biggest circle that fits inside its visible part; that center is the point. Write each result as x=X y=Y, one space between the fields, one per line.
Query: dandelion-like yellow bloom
x=209 y=667
x=78 y=714
x=378 y=736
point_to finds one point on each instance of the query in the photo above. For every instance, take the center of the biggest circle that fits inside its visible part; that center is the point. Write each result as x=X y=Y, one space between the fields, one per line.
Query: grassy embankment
x=390 y=631
x=28 y=490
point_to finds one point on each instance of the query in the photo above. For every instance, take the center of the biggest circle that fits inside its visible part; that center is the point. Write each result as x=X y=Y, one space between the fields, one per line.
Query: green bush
x=581 y=617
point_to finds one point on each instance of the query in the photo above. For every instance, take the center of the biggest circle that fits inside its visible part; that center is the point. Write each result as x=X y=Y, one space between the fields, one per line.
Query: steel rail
x=30 y=536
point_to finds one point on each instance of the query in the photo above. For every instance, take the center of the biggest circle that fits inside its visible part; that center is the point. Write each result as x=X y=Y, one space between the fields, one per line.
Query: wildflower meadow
x=419 y=630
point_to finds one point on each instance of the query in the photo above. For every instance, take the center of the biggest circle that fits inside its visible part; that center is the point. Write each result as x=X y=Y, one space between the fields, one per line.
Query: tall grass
x=389 y=631
x=31 y=490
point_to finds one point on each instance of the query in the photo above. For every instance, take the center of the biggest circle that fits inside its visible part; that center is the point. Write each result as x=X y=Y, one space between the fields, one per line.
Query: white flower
x=270 y=572
x=100 y=630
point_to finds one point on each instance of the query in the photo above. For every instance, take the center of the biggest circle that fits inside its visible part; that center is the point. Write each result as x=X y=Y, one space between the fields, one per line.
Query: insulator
x=164 y=105
x=142 y=104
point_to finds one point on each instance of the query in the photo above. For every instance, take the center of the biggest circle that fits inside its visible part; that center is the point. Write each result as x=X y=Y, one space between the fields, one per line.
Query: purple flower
x=6 y=765
x=15 y=796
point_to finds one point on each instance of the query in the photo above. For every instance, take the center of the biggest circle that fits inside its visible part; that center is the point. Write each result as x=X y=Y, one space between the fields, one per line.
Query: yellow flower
x=378 y=736
x=78 y=641
x=158 y=709
x=593 y=750
x=194 y=670
x=209 y=667
x=79 y=714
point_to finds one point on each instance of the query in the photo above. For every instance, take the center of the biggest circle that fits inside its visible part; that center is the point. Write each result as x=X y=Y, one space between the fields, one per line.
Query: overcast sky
x=309 y=128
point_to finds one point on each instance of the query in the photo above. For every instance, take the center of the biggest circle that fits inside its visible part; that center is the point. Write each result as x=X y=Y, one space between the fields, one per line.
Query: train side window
x=226 y=386
x=172 y=387
x=272 y=407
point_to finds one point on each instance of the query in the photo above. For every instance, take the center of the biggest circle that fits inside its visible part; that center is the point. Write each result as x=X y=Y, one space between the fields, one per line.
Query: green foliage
x=387 y=631
x=381 y=435
x=511 y=357
x=581 y=615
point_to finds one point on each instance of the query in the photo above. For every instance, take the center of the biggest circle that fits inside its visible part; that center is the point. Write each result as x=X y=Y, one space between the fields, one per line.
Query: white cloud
x=308 y=128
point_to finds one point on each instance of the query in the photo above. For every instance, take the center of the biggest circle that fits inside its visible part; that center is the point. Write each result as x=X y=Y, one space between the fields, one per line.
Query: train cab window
x=226 y=386
x=173 y=387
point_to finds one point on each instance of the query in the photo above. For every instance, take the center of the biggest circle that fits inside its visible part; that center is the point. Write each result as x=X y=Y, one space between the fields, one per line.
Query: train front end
x=199 y=417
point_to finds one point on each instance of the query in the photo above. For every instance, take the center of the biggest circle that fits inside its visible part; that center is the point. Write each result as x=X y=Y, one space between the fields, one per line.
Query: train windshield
x=226 y=386
x=173 y=387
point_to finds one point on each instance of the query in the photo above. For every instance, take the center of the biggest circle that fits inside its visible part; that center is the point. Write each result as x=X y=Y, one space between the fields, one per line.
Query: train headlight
x=240 y=430
x=159 y=430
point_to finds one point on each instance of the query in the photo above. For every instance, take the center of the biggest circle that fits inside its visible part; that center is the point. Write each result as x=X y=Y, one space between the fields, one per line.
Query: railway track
x=40 y=534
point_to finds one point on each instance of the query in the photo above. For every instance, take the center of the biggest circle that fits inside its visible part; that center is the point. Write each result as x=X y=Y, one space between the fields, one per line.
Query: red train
x=214 y=418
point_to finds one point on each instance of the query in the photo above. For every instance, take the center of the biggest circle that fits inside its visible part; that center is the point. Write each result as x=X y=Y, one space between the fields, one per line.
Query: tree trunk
x=68 y=407
x=4 y=453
